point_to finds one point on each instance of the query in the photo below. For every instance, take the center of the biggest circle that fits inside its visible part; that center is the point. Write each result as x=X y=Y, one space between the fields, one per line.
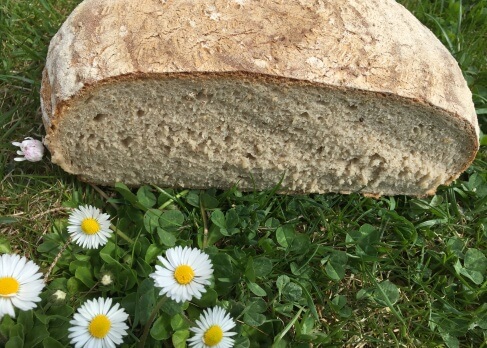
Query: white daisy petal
x=183 y=274
x=16 y=265
x=6 y=307
x=20 y=284
x=98 y=324
x=29 y=274
x=172 y=256
x=114 y=311
x=166 y=264
x=106 y=305
x=24 y=305
x=88 y=227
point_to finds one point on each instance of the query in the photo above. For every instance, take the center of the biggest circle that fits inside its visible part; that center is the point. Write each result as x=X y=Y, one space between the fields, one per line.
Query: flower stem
x=186 y=319
x=58 y=256
x=172 y=199
x=205 y=225
x=121 y=234
x=150 y=321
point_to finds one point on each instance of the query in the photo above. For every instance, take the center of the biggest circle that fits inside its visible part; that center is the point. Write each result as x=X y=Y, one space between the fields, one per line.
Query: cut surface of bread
x=325 y=96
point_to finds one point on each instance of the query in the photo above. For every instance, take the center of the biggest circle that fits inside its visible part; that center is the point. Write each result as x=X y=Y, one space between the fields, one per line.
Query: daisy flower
x=88 y=227
x=213 y=330
x=31 y=149
x=98 y=325
x=184 y=273
x=20 y=284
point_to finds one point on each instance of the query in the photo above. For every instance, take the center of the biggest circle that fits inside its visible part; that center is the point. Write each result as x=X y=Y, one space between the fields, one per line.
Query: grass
x=321 y=270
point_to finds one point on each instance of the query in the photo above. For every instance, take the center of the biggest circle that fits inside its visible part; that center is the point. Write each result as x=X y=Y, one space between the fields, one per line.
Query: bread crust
x=358 y=46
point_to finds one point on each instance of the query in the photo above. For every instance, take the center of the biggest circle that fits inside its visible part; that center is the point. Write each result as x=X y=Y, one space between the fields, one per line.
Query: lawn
x=292 y=271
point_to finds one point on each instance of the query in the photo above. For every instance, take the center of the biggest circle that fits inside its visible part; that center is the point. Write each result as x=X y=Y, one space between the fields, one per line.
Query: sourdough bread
x=329 y=96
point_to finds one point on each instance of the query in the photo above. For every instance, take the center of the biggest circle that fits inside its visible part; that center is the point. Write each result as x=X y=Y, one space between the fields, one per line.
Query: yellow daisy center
x=183 y=274
x=8 y=286
x=99 y=326
x=213 y=335
x=90 y=226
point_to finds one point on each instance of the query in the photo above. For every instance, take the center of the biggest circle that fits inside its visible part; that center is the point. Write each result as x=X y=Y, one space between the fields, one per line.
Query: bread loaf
x=327 y=95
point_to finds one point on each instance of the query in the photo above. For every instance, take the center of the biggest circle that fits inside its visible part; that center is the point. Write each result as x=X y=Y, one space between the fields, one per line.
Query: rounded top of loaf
x=373 y=45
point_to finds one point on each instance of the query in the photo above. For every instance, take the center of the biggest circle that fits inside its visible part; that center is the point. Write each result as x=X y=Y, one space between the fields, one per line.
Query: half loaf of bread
x=329 y=96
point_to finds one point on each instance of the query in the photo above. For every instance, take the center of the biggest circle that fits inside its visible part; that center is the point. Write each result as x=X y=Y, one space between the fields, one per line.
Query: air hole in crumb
x=204 y=96
x=127 y=141
x=99 y=117
x=305 y=114
x=376 y=160
x=299 y=130
x=415 y=130
x=228 y=139
x=361 y=119
x=403 y=174
x=250 y=156
x=140 y=113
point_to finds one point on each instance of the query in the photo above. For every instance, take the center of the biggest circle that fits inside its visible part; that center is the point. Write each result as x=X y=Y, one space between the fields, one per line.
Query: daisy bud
x=59 y=295
x=31 y=149
x=106 y=279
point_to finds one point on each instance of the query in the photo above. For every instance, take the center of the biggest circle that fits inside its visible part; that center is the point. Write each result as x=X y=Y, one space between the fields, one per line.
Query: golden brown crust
x=345 y=43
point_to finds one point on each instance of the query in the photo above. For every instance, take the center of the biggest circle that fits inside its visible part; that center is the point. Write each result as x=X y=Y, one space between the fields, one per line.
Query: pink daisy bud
x=31 y=149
